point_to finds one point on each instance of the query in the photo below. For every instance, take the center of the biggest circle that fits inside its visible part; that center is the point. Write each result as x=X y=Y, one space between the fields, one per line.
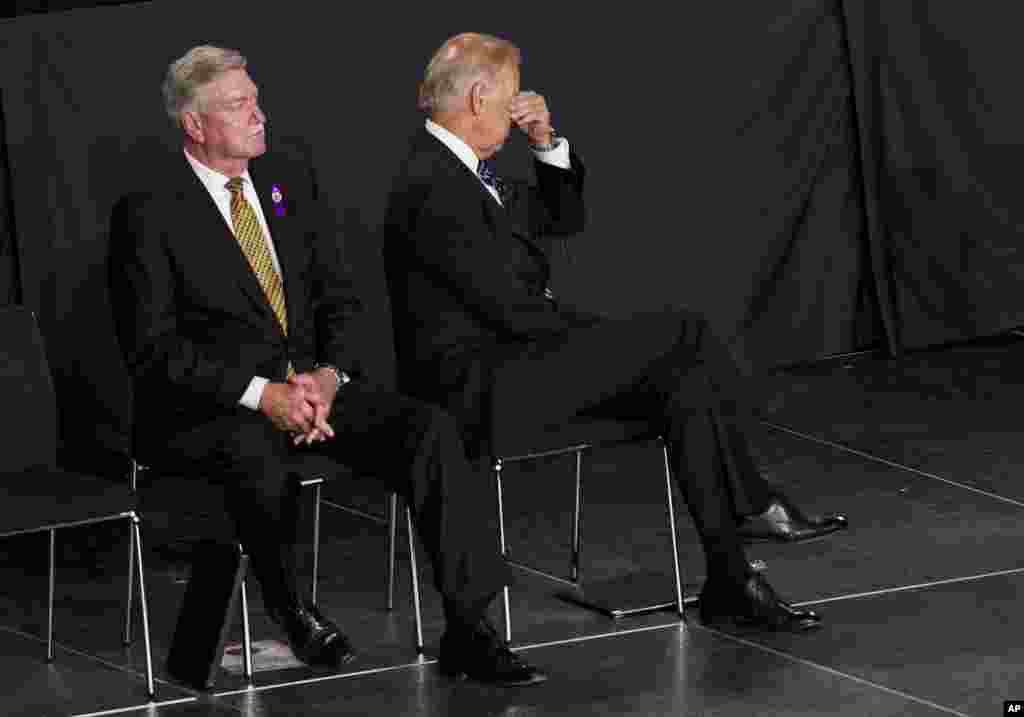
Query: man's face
x=233 y=127
x=495 y=121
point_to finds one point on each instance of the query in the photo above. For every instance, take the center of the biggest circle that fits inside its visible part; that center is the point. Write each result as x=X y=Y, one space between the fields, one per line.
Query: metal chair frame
x=134 y=564
x=391 y=520
x=499 y=464
x=316 y=483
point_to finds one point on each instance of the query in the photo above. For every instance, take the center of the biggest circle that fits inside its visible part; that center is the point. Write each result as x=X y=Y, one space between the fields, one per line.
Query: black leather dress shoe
x=752 y=604
x=313 y=638
x=783 y=522
x=477 y=653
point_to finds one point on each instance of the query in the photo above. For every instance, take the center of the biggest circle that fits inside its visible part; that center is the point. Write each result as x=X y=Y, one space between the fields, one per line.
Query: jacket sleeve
x=339 y=313
x=142 y=292
x=557 y=202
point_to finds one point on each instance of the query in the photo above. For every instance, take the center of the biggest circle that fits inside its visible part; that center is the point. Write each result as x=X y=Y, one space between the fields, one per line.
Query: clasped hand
x=301 y=406
x=530 y=113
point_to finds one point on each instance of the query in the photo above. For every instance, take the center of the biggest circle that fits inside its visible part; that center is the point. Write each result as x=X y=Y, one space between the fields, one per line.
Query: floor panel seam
x=86 y=655
x=832 y=671
x=676 y=624
x=150 y=706
x=915 y=586
x=891 y=463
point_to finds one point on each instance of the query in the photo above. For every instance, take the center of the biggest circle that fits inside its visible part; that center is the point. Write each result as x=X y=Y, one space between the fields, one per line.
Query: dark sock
x=465 y=615
x=726 y=564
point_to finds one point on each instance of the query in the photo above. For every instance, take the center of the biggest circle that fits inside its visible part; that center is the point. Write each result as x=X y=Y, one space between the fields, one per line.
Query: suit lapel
x=516 y=213
x=225 y=255
x=510 y=219
x=461 y=173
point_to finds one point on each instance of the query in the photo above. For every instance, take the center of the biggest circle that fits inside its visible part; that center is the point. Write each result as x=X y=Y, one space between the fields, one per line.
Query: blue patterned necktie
x=485 y=170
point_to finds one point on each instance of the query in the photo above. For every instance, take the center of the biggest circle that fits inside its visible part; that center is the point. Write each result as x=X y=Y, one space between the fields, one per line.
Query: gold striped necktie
x=254 y=245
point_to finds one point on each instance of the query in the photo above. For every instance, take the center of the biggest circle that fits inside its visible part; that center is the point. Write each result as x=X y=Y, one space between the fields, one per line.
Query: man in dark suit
x=478 y=329
x=238 y=328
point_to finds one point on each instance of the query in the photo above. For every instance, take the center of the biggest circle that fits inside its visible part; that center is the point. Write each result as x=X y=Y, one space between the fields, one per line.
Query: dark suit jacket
x=467 y=276
x=193 y=322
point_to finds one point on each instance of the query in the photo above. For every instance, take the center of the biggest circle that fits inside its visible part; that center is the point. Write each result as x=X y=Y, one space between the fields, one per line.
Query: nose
x=258 y=115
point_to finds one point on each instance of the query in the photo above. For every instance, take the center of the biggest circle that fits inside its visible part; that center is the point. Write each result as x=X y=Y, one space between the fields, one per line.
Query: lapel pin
x=277 y=197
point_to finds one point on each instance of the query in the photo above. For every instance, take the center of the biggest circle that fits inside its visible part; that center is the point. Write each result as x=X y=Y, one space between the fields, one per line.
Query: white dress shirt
x=215 y=184
x=559 y=156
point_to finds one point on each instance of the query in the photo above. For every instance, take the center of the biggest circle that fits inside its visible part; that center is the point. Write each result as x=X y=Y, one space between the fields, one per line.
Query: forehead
x=233 y=83
x=509 y=76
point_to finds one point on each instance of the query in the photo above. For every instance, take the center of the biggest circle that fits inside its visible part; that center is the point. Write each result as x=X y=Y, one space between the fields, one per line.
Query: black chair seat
x=41 y=497
x=532 y=441
x=318 y=465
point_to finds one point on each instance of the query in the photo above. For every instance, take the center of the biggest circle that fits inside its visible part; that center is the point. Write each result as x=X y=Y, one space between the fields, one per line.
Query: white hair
x=460 y=62
x=187 y=75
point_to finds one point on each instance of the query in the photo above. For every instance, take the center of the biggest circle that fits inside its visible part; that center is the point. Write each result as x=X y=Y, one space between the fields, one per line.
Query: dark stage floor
x=922 y=596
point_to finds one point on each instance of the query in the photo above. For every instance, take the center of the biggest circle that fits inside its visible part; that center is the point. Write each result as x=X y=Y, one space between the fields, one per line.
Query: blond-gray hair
x=187 y=75
x=461 y=61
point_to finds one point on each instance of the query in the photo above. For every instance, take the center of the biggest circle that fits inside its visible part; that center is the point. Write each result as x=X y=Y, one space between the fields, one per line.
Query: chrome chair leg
x=576 y=517
x=672 y=528
x=498 y=465
x=316 y=542
x=415 y=579
x=137 y=541
x=49 y=602
x=131 y=584
x=392 y=535
x=246 y=634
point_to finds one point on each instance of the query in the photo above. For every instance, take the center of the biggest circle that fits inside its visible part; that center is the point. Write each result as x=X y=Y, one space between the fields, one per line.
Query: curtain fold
x=10 y=281
x=939 y=113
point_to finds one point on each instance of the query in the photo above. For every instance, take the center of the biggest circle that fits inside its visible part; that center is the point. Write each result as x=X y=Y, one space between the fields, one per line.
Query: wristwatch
x=555 y=141
x=340 y=376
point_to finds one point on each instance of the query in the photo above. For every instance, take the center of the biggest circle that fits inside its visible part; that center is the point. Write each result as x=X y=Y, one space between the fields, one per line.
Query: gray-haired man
x=237 y=325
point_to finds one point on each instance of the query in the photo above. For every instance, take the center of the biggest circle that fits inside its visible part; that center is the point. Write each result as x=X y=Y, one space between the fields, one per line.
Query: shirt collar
x=455 y=143
x=213 y=180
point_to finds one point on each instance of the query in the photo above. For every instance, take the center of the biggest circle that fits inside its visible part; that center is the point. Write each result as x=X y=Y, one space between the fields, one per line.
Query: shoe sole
x=462 y=676
x=760 y=540
x=747 y=624
x=331 y=663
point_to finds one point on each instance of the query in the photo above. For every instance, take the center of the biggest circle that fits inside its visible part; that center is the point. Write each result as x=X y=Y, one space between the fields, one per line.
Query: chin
x=258 y=144
x=488 y=152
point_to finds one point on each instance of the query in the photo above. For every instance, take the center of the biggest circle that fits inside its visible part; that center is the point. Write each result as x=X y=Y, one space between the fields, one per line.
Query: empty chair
x=40 y=497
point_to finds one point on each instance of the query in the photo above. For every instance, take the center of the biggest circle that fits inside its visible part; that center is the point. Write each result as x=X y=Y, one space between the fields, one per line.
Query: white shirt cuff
x=253 y=394
x=559 y=156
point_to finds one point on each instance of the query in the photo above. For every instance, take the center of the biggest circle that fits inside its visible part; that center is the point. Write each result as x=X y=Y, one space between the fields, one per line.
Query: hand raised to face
x=529 y=111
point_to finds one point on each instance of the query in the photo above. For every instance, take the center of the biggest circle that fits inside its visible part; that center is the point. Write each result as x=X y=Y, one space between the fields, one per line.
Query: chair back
x=26 y=394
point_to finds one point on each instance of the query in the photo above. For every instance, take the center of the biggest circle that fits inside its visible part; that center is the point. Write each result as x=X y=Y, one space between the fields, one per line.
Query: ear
x=477 y=95
x=192 y=123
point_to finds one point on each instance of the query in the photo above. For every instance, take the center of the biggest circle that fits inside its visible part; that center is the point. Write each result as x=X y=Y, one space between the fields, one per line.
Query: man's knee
x=436 y=421
x=251 y=435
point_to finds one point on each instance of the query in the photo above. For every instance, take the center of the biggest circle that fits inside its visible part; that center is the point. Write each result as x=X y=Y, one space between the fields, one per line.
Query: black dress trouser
x=671 y=369
x=412 y=447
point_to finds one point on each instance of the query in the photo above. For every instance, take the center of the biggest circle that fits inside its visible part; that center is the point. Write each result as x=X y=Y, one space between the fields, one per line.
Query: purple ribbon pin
x=277 y=197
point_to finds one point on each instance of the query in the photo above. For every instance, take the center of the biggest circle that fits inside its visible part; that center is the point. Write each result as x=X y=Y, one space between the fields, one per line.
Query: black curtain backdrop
x=10 y=286
x=723 y=149
x=940 y=108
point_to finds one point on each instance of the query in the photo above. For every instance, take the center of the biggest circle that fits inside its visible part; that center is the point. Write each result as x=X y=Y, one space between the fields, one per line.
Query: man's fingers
x=324 y=428
x=303 y=417
x=535 y=106
x=533 y=118
x=320 y=422
x=524 y=110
